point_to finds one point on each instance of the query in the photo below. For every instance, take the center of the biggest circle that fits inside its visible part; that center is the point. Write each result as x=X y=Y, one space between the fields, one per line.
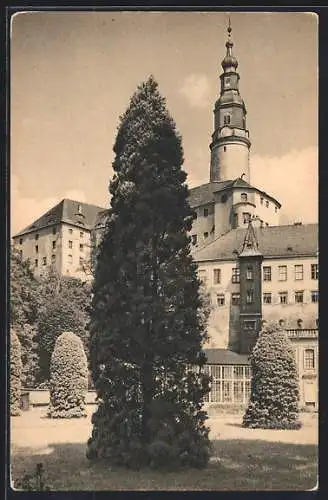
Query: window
x=298 y=272
x=299 y=323
x=235 y=275
x=53 y=258
x=226 y=119
x=299 y=297
x=70 y=244
x=235 y=299
x=261 y=200
x=308 y=359
x=267 y=273
x=220 y=299
x=202 y=274
x=70 y=259
x=70 y=230
x=53 y=245
x=246 y=217
x=267 y=298
x=314 y=271
x=206 y=234
x=82 y=233
x=217 y=276
x=36 y=262
x=281 y=323
x=44 y=261
x=249 y=273
x=36 y=236
x=223 y=198
x=224 y=148
x=249 y=297
x=282 y=273
x=283 y=297
x=81 y=247
x=227 y=80
x=314 y=296
x=36 y=248
x=205 y=212
x=267 y=204
x=194 y=239
x=243 y=196
x=249 y=324
x=54 y=230
x=20 y=241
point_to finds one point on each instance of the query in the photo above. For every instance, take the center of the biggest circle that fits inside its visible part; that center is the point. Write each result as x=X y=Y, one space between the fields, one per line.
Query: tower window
x=249 y=297
x=223 y=197
x=227 y=80
x=235 y=299
x=205 y=212
x=249 y=273
x=267 y=298
x=217 y=276
x=220 y=299
x=235 y=275
x=243 y=196
x=246 y=217
x=249 y=324
x=267 y=273
x=283 y=297
x=226 y=119
x=224 y=148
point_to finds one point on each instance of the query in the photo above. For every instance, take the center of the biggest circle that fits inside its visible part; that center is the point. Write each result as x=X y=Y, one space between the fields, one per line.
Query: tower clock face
x=225 y=131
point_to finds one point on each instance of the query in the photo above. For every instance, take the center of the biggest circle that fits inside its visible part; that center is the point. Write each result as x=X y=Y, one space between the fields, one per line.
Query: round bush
x=69 y=378
x=274 y=400
x=15 y=374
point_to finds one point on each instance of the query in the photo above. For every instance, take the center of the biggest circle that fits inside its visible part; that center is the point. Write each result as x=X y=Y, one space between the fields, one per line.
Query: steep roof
x=66 y=211
x=274 y=241
x=225 y=357
x=203 y=194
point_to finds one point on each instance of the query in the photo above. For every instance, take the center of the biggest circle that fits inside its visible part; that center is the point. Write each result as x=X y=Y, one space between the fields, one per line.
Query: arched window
x=308 y=359
x=299 y=323
x=243 y=196
x=226 y=119
x=281 y=322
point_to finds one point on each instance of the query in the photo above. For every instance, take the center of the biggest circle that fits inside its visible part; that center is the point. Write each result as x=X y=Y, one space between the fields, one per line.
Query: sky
x=73 y=74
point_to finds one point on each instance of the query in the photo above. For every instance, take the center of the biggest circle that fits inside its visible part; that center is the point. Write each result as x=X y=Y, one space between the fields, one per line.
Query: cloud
x=196 y=89
x=293 y=180
x=24 y=210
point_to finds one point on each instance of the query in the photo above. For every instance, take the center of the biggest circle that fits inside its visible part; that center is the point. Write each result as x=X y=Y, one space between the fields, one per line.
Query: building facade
x=252 y=269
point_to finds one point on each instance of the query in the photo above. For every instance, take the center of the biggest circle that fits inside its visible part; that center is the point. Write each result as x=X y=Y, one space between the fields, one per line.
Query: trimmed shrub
x=69 y=378
x=274 y=400
x=15 y=374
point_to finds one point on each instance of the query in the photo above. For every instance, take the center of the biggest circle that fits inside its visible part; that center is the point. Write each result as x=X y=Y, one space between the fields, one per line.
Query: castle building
x=253 y=269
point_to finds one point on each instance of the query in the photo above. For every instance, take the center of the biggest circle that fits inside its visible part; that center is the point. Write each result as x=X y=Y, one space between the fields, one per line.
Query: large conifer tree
x=147 y=320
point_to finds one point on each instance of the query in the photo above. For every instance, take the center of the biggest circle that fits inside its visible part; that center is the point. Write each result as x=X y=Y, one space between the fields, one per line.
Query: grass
x=242 y=459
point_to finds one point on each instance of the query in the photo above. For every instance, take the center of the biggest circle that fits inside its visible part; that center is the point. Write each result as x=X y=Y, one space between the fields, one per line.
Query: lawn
x=243 y=459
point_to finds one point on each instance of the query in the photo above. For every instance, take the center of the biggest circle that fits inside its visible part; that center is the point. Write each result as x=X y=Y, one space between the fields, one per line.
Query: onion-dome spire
x=229 y=62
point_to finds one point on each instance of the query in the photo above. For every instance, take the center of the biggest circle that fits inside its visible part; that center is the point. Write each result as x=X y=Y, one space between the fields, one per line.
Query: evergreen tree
x=274 y=400
x=69 y=378
x=148 y=324
x=15 y=374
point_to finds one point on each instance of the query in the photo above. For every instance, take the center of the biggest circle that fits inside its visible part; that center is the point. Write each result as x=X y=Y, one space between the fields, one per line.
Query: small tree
x=274 y=400
x=148 y=323
x=15 y=374
x=69 y=378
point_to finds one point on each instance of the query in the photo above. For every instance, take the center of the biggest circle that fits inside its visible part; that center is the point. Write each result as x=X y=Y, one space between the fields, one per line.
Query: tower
x=250 y=260
x=230 y=140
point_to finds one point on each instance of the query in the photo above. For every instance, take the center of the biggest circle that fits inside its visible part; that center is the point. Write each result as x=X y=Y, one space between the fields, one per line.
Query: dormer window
x=243 y=196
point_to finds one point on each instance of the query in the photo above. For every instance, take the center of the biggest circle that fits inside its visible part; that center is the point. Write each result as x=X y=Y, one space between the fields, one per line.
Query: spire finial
x=229 y=29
